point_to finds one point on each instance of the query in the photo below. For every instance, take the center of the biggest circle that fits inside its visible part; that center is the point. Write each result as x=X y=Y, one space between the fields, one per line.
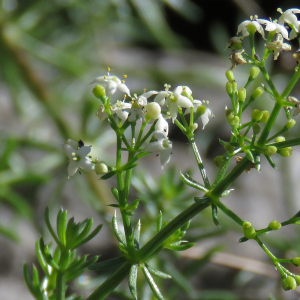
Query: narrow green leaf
x=192 y=183
x=128 y=167
x=134 y=205
x=108 y=175
x=76 y=264
x=115 y=192
x=65 y=260
x=114 y=205
x=49 y=226
x=186 y=226
x=28 y=280
x=158 y=273
x=243 y=239
x=107 y=264
x=90 y=262
x=61 y=225
x=214 y=210
x=159 y=221
x=122 y=248
x=270 y=160
x=119 y=235
x=132 y=280
x=201 y=200
x=41 y=258
x=154 y=288
x=249 y=155
x=257 y=163
x=226 y=193
x=181 y=247
x=136 y=234
x=86 y=229
x=35 y=278
x=89 y=237
x=71 y=228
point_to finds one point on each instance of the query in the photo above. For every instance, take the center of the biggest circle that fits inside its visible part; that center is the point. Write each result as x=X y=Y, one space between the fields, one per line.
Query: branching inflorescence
x=251 y=142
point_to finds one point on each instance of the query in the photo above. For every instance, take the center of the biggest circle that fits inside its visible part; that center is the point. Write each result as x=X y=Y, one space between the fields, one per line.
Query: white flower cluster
x=277 y=27
x=165 y=105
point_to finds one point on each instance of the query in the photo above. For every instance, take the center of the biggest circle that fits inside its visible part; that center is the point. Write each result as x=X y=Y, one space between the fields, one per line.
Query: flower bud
x=99 y=91
x=256 y=128
x=101 y=168
x=219 y=161
x=291 y=282
x=257 y=115
x=284 y=284
x=233 y=120
x=280 y=139
x=249 y=230
x=271 y=150
x=229 y=88
x=265 y=117
x=274 y=225
x=291 y=123
x=254 y=72
x=194 y=126
x=286 y=152
x=228 y=147
x=153 y=111
x=234 y=87
x=296 y=261
x=229 y=75
x=241 y=94
x=297 y=278
x=258 y=92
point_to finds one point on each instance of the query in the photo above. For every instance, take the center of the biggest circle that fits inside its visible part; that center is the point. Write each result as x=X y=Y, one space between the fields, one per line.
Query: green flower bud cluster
x=286 y=152
x=249 y=230
x=290 y=282
x=260 y=116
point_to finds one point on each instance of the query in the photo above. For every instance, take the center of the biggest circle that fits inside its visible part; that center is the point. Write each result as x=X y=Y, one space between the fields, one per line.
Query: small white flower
x=175 y=100
x=206 y=115
x=112 y=84
x=243 y=27
x=138 y=103
x=274 y=26
x=289 y=17
x=162 y=125
x=278 y=46
x=101 y=113
x=78 y=157
x=120 y=109
x=162 y=145
x=297 y=102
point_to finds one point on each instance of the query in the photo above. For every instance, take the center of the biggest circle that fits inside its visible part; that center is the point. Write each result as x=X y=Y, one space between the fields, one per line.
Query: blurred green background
x=50 y=52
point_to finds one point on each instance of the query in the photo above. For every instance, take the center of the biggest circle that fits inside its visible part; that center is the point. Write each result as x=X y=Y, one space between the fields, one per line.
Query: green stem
x=60 y=292
x=291 y=84
x=199 y=162
x=270 y=123
x=111 y=283
x=146 y=251
x=229 y=212
x=230 y=177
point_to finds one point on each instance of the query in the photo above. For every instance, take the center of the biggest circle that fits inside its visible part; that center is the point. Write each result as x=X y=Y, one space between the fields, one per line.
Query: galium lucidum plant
x=145 y=118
